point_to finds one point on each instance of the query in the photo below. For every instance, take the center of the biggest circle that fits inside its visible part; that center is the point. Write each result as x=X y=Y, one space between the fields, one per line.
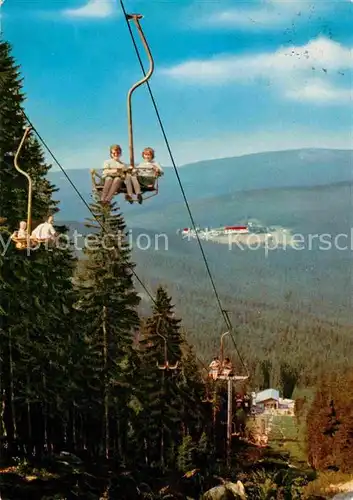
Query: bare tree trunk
x=12 y=403
x=162 y=426
x=2 y=410
x=45 y=417
x=73 y=430
x=28 y=404
x=106 y=389
x=146 y=451
x=2 y=402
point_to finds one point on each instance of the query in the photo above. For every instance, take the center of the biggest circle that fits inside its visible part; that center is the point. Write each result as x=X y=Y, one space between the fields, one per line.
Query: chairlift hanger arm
x=222 y=346
x=230 y=331
x=135 y=18
x=30 y=184
x=162 y=367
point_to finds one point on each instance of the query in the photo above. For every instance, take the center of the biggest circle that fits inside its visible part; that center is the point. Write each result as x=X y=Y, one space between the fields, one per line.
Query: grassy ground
x=287 y=434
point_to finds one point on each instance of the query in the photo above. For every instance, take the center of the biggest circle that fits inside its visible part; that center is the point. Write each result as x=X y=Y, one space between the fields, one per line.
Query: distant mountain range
x=219 y=178
x=307 y=191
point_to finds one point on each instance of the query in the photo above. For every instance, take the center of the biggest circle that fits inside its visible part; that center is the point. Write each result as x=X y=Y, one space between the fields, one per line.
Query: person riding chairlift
x=21 y=233
x=214 y=368
x=115 y=174
x=227 y=367
x=45 y=231
x=148 y=169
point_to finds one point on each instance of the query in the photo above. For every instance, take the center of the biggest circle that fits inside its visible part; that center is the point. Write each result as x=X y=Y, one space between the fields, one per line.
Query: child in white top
x=214 y=368
x=113 y=174
x=149 y=167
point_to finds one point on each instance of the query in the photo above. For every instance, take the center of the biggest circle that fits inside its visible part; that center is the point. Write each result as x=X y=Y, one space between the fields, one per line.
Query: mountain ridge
x=212 y=178
x=272 y=152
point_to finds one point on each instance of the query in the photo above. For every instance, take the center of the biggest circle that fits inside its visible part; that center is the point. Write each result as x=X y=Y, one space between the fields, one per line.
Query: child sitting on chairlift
x=21 y=233
x=149 y=169
x=214 y=367
x=113 y=174
x=227 y=368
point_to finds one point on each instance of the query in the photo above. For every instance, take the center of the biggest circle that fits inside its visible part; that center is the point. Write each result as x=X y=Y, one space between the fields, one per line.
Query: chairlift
x=207 y=398
x=23 y=238
x=148 y=184
x=221 y=368
x=166 y=365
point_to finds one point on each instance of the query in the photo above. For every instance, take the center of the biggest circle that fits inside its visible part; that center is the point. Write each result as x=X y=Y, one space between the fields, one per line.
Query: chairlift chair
x=207 y=398
x=28 y=242
x=148 y=189
x=222 y=374
x=166 y=365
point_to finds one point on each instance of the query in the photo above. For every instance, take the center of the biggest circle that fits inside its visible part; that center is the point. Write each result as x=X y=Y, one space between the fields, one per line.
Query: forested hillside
x=280 y=294
x=258 y=287
x=284 y=310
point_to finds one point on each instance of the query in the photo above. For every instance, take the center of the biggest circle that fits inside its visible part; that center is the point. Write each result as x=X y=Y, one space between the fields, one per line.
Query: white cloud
x=92 y=9
x=320 y=91
x=243 y=18
x=263 y=15
x=288 y=69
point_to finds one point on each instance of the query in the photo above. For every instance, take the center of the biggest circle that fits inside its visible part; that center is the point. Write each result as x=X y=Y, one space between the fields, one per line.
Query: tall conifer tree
x=109 y=301
x=35 y=289
x=160 y=396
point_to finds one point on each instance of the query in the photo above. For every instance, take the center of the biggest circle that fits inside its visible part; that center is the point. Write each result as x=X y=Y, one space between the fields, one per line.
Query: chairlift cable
x=225 y=316
x=173 y=162
x=89 y=208
x=81 y=197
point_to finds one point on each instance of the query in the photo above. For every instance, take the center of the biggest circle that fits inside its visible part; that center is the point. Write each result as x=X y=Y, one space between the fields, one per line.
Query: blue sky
x=231 y=77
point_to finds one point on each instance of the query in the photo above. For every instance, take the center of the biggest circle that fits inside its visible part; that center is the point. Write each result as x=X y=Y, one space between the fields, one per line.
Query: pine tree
x=205 y=452
x=186 y=455
x=192 y=391
x=35 y=290
x=321 y=428
x=109 y=302
x=13 y=186
x=161 y=426
x=289 y=376
x=340 y=422
x=266 y=368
